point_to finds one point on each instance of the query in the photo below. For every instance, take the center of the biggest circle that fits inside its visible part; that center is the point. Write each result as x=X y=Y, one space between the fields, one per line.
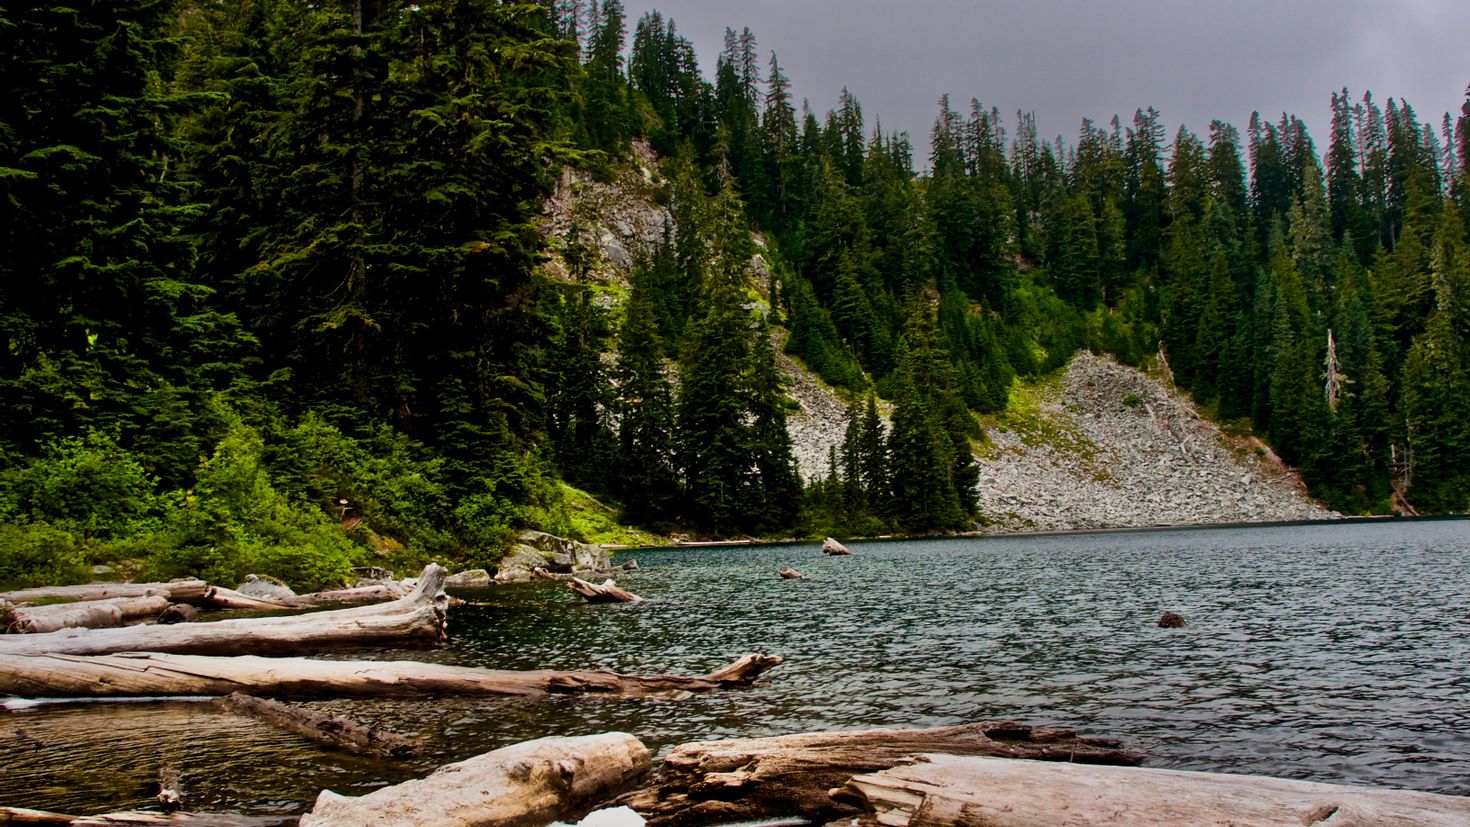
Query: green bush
x=38 y=554
x=86 y=485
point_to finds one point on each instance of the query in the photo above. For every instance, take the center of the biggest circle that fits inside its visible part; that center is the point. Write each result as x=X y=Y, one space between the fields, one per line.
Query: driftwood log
x=831 y=546
x=417 y=618
x=146 y=674
x=88 y=614
x=791 y=574
x=531 y=783
x=967 y=790
x=18 y=815
x=178 y=591
x=606 y=592
x=323 y=727
x=717 y=782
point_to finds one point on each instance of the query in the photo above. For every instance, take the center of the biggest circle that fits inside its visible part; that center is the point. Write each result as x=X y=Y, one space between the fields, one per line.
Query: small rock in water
x=473 y=577
x=631 y=565
x=1171 y=621
x=831 y=546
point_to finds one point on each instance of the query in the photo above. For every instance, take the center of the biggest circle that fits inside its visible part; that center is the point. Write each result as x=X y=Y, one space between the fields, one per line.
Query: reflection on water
x=1331 y=653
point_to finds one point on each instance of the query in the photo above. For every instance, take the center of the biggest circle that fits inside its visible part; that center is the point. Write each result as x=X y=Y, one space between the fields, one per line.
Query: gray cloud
x=1070 y=59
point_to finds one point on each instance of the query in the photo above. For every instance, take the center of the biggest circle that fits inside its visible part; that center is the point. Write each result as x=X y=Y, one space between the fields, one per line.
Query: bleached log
x=831 y=546
x=717 y=782
x=606 y=592
x=950 y=790
x=417 y=618
x=141 y=674
x=185 y=591
x=323 y=727
x=147 y=819
x=87 y=614
x=19 y=815
x=377 y=593
x=531 y=783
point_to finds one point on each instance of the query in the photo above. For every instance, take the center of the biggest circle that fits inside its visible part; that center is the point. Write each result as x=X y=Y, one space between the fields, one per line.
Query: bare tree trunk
x=179 y=591
x=87 y=614
x=607 y=592
x=417 y=618
x=531 y=783
x=742 y=780
x=328 y=729
x=147 y=674
x=950 y=790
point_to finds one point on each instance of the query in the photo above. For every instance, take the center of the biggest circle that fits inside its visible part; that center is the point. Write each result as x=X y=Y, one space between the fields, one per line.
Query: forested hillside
x=272 y=295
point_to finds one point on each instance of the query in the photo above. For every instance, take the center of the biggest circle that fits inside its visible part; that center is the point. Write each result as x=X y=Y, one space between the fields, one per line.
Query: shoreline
x=1060 y=532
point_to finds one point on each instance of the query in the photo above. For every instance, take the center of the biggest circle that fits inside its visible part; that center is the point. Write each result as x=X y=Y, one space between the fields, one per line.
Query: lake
x=1328 y=652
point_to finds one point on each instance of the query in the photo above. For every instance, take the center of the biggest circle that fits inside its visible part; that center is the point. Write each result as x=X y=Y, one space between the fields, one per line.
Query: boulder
x=1169 y=620
x=517 y=564
x=473 y=577
x=268 y=589
x=831 y=546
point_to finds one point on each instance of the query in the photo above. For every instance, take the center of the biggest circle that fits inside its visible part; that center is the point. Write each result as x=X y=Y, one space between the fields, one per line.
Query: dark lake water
x=1325 y=652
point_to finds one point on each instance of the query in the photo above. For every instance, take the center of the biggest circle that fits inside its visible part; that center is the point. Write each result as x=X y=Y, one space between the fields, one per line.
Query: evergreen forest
x=272 y=295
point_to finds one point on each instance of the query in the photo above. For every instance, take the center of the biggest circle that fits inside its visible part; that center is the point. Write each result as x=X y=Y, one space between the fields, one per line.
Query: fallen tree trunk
x=743 y=780
x=955 y=790
x=151 y=674
x=18 y=815
x=607 y=592
x=531 y=783
x=320 y=726
x=178 y=591
x=87 y=614
x=415 y=618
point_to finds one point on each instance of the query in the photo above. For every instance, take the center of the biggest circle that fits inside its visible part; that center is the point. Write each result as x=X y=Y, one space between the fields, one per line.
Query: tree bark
x=87 y=614
x=178 y=591
x=148 y=674
x=949 y=791
x=328 y=729
x=607 y=592
x=417 y=618
x=531 y=783
x=759 y=778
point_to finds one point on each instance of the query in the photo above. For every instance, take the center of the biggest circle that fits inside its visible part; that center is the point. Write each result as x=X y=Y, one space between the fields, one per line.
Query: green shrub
x=86 y=485
x=38 y=554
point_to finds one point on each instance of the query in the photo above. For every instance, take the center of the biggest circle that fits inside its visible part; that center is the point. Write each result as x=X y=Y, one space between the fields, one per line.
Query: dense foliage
x=269 y=295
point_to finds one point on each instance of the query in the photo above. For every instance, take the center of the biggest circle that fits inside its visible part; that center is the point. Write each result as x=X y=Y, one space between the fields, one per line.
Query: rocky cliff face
x=1100 y=446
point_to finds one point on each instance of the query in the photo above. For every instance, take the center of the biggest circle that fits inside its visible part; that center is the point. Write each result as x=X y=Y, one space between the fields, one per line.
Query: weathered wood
x=950 y=791
x=831 y=546
x=606 y=592
x=417 y=618
x=177 y=591
x=21 y=815
x=727 y=781
x=170 y=789
x=531 y=783
x=219 y=597
x=791 y=574
x=376 y=593
x=326 y=728
x=18 y=815
x=143 y=674
x=86 y=614
x=147 y=819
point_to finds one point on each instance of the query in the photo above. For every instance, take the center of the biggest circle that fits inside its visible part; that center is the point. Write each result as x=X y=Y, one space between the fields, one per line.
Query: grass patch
x=593 y=521
x=1034 y=415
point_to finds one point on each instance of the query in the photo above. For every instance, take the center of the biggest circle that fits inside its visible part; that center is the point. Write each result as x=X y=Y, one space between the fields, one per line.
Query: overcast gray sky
x=1069 y=59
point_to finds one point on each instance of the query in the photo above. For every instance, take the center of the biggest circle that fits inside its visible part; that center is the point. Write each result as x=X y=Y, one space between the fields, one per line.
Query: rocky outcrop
x=537 y=549
x=598 y=227
x=1110 y=447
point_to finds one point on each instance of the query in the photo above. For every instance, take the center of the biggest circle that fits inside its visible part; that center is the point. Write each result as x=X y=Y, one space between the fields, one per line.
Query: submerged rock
x=265 y=588
x=473 y=577
x=1171 y=621
x=831 y=546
